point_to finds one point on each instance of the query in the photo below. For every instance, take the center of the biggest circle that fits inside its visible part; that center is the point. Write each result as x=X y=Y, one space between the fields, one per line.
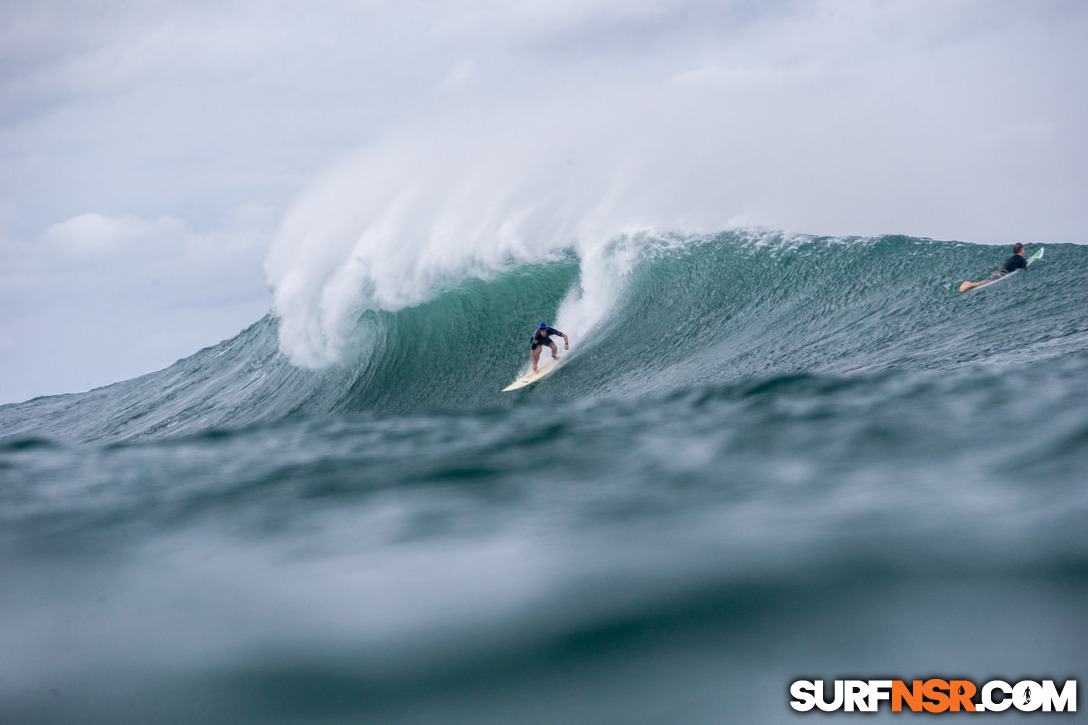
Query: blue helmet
x=543 y=325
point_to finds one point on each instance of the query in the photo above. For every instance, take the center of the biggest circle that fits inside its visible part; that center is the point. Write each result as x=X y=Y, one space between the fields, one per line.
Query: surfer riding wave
x=542 y=338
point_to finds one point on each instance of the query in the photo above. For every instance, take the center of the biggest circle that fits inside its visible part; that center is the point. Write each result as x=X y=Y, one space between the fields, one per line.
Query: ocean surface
x=765 y=458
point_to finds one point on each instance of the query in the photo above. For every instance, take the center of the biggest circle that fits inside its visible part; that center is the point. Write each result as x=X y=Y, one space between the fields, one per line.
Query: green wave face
x=680 y=313
x=710 y=311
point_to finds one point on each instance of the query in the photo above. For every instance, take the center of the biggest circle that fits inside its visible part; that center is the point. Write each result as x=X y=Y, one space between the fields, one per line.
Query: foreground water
x=768 y=459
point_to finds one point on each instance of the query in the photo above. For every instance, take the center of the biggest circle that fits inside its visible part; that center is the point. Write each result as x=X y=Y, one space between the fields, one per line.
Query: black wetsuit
x=541 y=338
x=1012 y=264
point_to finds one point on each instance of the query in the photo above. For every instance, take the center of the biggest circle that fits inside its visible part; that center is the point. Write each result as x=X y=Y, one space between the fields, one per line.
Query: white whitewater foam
x=396 y=222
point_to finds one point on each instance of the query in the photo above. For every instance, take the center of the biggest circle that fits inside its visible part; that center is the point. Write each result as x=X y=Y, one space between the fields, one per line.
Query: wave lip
x=392 y=226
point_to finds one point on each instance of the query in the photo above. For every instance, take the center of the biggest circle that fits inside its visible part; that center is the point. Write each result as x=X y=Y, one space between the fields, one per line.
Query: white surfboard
x=529 y=378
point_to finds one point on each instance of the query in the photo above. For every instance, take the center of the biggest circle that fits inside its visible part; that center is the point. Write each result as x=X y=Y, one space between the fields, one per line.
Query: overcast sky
x=149 y=151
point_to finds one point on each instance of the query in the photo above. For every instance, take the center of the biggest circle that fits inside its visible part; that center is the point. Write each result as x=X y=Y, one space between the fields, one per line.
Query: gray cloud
x=144 y=131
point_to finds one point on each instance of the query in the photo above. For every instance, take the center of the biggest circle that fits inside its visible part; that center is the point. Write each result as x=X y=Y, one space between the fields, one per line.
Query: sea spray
x=394 y=223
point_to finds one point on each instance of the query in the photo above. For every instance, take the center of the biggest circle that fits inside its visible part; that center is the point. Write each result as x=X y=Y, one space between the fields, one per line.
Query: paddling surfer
x=1013 y=263
x=542 y=338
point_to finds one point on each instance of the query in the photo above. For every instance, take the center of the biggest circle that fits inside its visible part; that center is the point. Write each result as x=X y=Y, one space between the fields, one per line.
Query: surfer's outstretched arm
x=566 y=345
